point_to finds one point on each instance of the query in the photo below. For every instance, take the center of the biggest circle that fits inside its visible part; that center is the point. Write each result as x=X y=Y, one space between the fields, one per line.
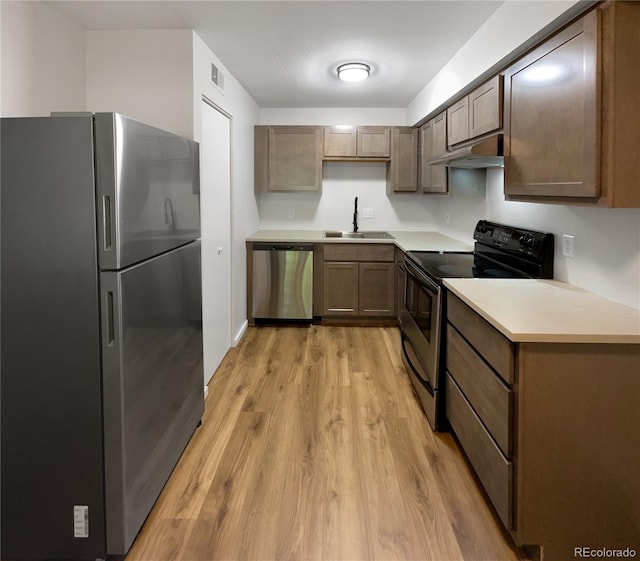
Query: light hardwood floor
x=314 y=447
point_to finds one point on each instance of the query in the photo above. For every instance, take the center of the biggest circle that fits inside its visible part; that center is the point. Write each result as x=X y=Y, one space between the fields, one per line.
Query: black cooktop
x=444 y=265
x=500 y=252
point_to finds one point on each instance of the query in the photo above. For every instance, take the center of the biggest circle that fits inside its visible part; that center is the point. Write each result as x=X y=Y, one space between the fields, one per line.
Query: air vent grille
x=217 y=77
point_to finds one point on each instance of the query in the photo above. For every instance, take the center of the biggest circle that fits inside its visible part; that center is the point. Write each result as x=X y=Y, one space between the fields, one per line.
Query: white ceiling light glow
x=353 y=72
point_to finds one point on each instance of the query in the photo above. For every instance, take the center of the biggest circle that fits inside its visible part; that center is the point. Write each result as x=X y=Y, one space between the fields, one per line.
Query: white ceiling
x=285 y=52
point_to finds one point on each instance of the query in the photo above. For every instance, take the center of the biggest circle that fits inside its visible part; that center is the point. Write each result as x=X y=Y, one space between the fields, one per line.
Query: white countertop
x=405 y=240
x=528 y=310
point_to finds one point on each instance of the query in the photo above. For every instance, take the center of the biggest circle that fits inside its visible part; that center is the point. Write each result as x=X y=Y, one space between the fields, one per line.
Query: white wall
x=144 y=74
x=333 y=208
x=42 y=61
x=244 y=211
x=511 y=25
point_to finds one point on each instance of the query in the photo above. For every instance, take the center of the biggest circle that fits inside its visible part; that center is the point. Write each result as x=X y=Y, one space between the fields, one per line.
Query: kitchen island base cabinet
x=564 y=472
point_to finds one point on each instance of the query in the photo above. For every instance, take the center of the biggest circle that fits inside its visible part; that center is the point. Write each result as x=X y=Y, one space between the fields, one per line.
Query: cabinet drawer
x=359 y=252
x=494 y=347
x=493 y=469
x=485 y=391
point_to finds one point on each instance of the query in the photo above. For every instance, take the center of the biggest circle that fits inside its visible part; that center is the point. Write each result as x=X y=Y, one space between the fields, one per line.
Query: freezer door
x=152 y=382
x=148 y=190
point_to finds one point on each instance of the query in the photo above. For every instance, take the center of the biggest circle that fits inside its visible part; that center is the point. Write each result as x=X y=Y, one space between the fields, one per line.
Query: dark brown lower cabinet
x=358 y=281
x=551 y=431
x=376 y=295
x=340 y=289
x=358 y=289
x=401 y=275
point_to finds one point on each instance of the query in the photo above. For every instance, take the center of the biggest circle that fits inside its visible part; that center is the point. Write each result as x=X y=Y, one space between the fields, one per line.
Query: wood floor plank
x=346 y=522
x=314 y=447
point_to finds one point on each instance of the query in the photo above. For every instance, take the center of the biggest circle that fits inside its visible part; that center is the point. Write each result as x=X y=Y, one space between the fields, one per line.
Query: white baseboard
x=240 y=334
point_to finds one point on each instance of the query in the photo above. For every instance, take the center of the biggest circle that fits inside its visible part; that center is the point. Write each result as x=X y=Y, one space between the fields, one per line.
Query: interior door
x=215 y=181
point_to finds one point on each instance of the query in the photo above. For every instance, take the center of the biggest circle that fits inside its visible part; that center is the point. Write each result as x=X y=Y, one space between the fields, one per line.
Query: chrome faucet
x=355 y=215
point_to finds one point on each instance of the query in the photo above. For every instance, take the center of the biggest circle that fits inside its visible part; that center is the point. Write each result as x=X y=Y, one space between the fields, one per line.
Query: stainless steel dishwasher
x=282 y=281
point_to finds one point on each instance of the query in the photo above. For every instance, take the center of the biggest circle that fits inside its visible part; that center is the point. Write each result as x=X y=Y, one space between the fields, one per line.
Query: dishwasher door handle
x=266 y=246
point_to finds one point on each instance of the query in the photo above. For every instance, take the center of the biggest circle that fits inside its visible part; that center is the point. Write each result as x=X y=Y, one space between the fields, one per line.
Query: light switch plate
x=367 y=213
x=568 y=245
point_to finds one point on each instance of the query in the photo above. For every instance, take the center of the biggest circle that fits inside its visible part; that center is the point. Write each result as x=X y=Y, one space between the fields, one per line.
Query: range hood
x=484 y=153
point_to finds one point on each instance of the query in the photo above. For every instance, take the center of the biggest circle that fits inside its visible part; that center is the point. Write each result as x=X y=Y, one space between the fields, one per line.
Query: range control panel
x=514 y=240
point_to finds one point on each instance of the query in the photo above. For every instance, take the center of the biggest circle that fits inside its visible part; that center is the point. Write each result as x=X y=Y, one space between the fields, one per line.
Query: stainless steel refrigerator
x=101 y=378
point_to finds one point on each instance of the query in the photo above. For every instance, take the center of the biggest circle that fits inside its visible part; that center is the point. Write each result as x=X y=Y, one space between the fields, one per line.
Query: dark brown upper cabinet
x=432 y=144
x=287 y=158
x=358 y=142
x=552 y=119
x=572 y=113
x=476 y=114
x=402 y=170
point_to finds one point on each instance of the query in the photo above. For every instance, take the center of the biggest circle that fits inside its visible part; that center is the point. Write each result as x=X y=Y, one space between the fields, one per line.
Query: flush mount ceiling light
x=353 y=71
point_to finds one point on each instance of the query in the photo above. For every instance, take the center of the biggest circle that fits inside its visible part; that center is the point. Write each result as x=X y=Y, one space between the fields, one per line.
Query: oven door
x=420 y=321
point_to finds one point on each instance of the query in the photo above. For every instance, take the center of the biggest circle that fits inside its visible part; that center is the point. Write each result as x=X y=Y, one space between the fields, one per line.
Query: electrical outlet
x=447 y=217
x=291 y=213
x=367 y=213
x=568 y=245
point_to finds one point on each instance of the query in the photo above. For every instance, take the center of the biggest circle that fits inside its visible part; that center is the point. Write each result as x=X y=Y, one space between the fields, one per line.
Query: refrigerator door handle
x=106 y=222
x=110 y=319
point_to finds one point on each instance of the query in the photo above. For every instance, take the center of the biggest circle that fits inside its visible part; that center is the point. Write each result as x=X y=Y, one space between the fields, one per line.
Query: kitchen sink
x=368 y=235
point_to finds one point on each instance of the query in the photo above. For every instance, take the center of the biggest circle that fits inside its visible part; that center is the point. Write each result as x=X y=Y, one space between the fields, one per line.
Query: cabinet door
x=458 y=122
x=376 y=289
x=439 y=179
x=485 y=107
x=373 y=142
x=425 y=147
x=402 y=173
x=552 y=146
x=432 y=179
x=340 y=289
x=401 y=275
x=339 y=143
x=439 y=147
x=295 y=159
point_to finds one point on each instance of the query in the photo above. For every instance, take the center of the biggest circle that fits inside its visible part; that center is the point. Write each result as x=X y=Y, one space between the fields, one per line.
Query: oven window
x=420 y=304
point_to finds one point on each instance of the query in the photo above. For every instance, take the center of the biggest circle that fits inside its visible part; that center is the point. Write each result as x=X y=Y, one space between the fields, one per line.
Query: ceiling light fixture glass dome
x=353 y=72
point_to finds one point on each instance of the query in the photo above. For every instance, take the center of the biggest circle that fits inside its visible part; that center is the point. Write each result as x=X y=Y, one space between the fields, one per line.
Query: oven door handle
x=421 y=278
x=424 y=382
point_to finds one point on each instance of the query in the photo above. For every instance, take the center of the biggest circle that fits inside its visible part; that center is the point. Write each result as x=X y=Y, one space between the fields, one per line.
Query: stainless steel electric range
x=500 y=251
